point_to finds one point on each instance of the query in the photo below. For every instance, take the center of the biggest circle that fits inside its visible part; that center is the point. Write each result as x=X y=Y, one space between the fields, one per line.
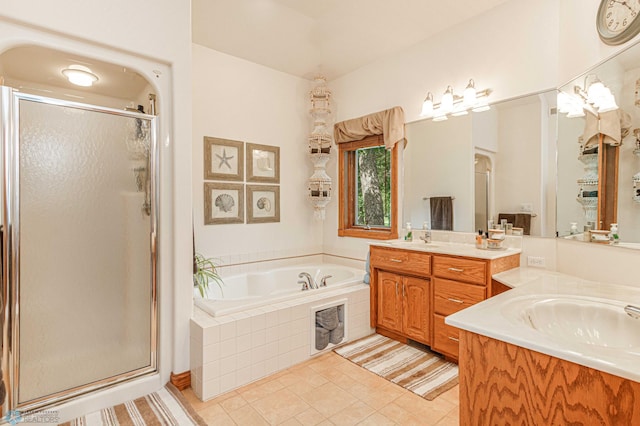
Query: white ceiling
x=332 y=37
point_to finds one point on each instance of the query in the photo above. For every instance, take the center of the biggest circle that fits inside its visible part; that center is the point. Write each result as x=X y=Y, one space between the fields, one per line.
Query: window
x=368 y=174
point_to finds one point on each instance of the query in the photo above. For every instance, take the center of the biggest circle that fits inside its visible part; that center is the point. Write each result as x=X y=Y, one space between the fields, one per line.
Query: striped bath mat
x=418 y=370
x=166 y=407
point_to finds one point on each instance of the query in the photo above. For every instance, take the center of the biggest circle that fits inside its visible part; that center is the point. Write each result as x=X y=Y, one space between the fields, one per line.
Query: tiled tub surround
x=233 y=350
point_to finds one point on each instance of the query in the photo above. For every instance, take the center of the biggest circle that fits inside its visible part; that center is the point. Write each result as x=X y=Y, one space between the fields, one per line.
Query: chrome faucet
x=310 y=283
x=323 y=280
x=426 y=236
x=632 y=311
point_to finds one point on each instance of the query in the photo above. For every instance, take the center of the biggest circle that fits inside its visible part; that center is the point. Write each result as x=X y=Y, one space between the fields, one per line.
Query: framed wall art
x=223 y=159
x=263 y=203
x=223 y=203
x=263 y=163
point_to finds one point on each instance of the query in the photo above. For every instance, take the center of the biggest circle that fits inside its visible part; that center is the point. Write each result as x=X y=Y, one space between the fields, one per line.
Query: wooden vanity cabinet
x=412 y=292
x=402 y=291
x=457 y=284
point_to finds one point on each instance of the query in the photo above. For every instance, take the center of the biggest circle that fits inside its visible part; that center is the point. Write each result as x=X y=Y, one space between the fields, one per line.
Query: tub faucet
x=309 y=283
x=323 y=280
x=632 y=311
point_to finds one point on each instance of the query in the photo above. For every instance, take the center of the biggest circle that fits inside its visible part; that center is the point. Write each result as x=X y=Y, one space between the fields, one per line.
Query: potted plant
x=204 y=271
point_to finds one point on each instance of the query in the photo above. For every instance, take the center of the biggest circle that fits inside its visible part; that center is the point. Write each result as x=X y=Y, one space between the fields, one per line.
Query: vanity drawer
x=468 y=270
x=405 y=261
x=445 y=337
x=452 y=296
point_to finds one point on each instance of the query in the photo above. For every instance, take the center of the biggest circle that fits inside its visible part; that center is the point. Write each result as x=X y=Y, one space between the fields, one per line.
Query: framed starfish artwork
x=263 y=163
x=223 y=159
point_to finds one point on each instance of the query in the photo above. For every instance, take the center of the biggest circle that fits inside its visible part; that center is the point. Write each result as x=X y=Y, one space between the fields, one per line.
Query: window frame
x=347 y=191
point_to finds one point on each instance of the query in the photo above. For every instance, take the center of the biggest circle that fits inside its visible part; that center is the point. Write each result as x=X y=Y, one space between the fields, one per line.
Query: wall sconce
x=456 y=105
x=80 y=75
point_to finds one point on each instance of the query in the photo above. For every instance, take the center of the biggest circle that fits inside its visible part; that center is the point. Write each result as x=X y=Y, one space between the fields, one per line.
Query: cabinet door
x=389 y=301
x=416 y=311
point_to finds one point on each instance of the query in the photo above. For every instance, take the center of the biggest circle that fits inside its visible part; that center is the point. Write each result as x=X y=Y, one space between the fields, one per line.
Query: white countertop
x=497 y=318
x=523 y=275
x=450 y=248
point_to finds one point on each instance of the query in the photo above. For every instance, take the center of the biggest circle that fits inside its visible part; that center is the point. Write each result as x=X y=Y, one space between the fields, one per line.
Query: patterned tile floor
x=326 y=390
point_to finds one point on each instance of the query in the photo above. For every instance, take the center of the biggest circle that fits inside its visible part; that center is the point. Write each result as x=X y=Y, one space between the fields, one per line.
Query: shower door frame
x=9 y=296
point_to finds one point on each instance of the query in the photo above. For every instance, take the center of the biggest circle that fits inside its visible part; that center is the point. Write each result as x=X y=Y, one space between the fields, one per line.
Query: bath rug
x=421 y=371
x=164 y=407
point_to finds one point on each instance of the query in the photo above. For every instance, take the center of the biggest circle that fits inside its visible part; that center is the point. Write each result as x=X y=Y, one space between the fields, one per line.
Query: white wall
x=144 y=35
x=511 y=49
x=239 y=100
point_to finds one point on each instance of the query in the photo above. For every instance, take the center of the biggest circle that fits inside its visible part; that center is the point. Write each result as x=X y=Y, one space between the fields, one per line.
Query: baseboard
x=181 y=380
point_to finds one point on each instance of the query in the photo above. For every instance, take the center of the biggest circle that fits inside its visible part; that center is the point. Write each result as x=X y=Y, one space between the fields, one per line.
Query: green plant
x=204 y=272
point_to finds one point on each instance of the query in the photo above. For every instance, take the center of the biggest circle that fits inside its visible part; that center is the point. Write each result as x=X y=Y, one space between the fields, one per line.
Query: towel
x=441 y=213
x=327 y=318
x=367 y=270
x=519 y=220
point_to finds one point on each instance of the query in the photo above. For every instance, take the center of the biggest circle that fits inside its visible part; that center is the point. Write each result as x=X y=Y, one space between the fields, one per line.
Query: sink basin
x=587 y=321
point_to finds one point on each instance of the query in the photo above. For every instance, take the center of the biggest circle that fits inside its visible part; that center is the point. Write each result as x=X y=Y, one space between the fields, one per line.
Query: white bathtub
x=255 y=289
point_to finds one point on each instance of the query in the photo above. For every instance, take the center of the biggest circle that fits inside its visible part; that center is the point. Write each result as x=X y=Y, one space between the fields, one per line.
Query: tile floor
x=326 y=390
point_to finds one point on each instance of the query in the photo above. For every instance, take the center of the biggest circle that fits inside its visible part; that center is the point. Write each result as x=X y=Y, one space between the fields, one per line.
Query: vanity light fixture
x=593 y=95
x=80 y=75
x=456 y=105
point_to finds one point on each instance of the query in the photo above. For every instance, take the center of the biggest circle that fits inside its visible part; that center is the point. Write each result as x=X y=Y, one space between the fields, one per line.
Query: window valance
x=388 y=123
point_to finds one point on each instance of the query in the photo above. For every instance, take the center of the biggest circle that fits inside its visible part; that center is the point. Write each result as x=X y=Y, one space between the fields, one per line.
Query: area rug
x=164 y=407
x=419 y=370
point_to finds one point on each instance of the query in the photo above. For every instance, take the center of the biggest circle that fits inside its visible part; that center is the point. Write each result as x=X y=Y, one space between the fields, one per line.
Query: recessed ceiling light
x=80 y=75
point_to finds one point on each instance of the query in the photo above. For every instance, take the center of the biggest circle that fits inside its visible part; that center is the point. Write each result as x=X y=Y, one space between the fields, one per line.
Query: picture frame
x=223 y=203
x=223 y=159
x=263 y=163
x=263 y=203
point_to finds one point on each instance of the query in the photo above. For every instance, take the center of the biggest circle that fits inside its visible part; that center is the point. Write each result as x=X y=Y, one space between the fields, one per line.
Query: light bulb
x=427 y=106
x=447 y=100
x=469 y=94
x=80 y=75
x=596 y=91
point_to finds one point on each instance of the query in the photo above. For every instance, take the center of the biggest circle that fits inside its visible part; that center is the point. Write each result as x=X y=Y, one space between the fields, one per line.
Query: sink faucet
x=307 y=284
x=323 y=280
x=632 y=311
x=426 y=237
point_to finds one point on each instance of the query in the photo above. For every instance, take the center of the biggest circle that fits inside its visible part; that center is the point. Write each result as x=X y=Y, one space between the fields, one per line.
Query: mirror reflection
x=599 y=152
x=490 y=165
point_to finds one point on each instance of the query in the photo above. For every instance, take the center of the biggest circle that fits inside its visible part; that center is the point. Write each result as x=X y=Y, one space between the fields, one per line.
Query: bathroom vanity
x=554 y=350
x=414 y=286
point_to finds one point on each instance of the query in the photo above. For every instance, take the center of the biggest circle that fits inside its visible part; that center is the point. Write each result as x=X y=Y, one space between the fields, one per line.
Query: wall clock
x=618 y=21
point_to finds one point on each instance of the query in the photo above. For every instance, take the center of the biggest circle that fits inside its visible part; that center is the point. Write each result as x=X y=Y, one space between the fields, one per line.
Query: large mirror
x=598 y=150
x=495 y=164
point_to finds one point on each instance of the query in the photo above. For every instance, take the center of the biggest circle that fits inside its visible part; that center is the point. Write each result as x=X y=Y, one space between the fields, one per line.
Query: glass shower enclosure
x=78 y=302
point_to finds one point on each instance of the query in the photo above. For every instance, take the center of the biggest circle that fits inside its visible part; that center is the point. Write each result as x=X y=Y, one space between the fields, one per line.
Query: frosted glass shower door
x=83 y=222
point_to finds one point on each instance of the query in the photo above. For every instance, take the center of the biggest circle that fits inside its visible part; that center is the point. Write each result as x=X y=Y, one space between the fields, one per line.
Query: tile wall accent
x=231 y=351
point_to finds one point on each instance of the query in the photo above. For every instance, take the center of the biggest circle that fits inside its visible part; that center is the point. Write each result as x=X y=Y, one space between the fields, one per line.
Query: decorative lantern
x=319 y=149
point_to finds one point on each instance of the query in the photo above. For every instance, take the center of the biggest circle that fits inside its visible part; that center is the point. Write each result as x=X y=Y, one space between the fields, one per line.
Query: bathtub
x=255 y=289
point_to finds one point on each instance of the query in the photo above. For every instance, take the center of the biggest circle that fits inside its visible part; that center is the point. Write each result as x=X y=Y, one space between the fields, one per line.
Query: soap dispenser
x=409 y=235
x=614 y=238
